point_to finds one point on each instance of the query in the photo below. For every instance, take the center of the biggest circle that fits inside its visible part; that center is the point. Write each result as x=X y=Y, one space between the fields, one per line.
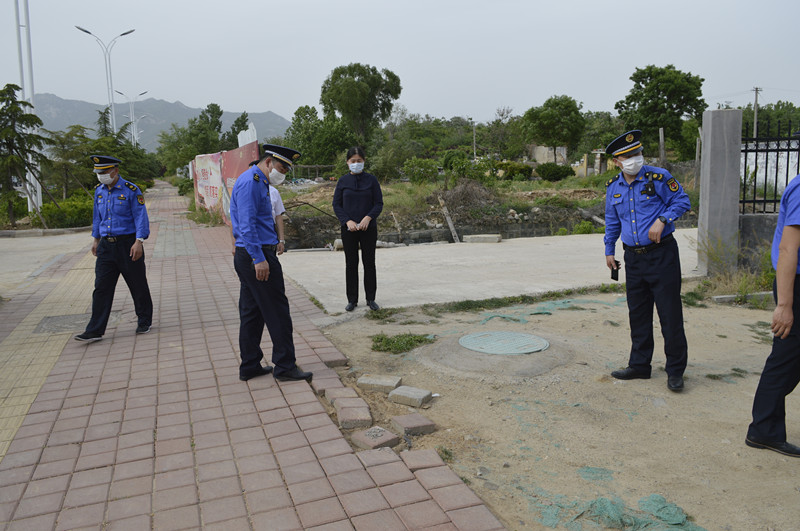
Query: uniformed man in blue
x=642 y=204
x=781 y=372
x=262 y=295
x=119 y=227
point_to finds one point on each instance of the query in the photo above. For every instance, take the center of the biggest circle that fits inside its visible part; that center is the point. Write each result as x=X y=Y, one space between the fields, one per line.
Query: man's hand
x=610 y=262
x=280 y=248
x=351 y=225
x=655 y=231
x=262 y=270
x=95 y=243
x=137 y=250
x=364 y=223
x=782 y=320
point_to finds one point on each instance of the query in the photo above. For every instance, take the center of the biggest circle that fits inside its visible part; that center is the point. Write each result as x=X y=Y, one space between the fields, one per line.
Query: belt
x=272 y=248
x=114 y=239
x=644 y=249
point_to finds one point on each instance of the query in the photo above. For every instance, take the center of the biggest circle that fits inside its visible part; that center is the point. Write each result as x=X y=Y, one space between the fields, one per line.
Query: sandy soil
x=551 y=440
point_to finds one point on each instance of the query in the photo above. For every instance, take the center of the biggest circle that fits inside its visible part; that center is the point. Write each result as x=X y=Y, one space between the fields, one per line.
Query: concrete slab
x=410 y=396
x=446 y=273
x=379 y=382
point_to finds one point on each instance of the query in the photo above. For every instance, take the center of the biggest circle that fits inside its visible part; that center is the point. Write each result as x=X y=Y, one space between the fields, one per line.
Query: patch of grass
x=318 y=304
x=762 y=331
x=612 y=288
x=735 y=373
x=445 y=453
x=201 y=216
x=382 y=314
x=399 y=343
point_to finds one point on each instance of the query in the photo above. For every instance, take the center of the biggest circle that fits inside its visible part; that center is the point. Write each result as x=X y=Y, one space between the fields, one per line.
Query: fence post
x=720 y=174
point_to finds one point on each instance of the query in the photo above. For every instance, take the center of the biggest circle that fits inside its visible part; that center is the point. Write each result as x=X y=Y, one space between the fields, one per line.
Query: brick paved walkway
x=157 y=432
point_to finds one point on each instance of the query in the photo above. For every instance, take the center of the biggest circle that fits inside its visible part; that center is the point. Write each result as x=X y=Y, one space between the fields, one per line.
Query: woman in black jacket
x=357 y=202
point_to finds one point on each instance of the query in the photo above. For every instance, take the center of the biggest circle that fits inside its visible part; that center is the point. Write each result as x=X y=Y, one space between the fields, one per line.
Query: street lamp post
x=131 y=102
x=107 y=56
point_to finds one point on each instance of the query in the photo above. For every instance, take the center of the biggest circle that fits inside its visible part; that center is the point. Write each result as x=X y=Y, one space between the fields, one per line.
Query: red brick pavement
x=157 y=432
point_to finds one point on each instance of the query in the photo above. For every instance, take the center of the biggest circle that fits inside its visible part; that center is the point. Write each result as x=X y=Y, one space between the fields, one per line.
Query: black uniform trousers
x=113 y=260
x=367 y=240
x=655 y=277
x=263 y=303
x=780 y=376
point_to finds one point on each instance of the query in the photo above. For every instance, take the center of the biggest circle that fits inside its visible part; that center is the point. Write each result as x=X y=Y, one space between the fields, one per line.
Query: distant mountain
x=156 y=116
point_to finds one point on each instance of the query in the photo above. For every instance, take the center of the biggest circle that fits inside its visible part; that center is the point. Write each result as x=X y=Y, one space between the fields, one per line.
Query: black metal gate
x=768 y=164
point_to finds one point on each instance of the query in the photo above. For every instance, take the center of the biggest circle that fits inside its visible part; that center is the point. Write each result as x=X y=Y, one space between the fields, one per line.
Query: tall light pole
x=131 y=102
x=31 y=183
x=107 y=56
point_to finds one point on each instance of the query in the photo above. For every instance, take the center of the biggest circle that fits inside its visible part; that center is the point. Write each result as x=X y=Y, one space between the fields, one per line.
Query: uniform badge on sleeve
x=673 y=185
x=140 y=198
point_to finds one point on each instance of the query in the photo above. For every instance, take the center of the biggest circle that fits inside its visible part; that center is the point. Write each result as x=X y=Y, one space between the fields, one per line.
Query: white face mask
x=105 y=178
x=356 y=167
x=632 y=165
x=276 y=177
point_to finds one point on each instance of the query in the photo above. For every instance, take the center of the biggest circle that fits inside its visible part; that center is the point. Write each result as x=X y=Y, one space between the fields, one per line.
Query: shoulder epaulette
x=98 y=185
x=611 y=180
x=255 y=177
x=131 y=186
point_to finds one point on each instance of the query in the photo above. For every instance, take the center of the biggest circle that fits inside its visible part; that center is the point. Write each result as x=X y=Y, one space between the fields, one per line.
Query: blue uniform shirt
x=251 y=213
x=789 y=214
x=119 y=210
x=630 y=212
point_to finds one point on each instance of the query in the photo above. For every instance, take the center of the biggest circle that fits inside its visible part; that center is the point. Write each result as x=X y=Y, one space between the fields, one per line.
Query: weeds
x=445 y=453
x=399 y=343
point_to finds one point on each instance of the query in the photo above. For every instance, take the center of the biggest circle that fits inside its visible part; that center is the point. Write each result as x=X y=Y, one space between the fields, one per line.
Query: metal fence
x=768 y=164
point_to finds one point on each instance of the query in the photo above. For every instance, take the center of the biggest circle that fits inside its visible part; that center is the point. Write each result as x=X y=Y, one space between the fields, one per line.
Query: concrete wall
x=720 y=170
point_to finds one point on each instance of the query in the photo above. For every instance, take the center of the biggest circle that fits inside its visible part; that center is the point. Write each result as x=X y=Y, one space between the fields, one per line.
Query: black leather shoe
x=629 y=373
x=350 y=306
x=373 y=305
x=675 y=383
x=143 y=329
x=294 y=375
x=258 y=372
x=88 y=337
x=784 y=448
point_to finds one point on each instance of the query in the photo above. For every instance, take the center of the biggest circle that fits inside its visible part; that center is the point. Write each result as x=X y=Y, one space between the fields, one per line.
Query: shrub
x=550 y=171
x=75 y=211
x=421 y=171
x=451 y=156
x=584 y=227
x=186 y=186
x=516 y=171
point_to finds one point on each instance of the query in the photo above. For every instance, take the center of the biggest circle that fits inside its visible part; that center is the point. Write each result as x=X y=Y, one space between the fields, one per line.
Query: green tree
x=558 y=122
x=361 y=95
x=661 y=97
x=600 y=129
x=180 y=145
x=319 y=141
x=67 y=152
x=774 y=119
x=230 y=138
x=20 y=145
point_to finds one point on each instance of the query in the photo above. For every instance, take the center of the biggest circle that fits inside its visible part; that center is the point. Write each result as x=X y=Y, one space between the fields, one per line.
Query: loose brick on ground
x=375 y=437
x=413 y=424
x=379 y=382
x=354 y=417
x=410 y=396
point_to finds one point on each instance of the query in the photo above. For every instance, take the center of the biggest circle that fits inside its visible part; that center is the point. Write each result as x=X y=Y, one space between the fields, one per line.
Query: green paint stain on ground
x=591 y=473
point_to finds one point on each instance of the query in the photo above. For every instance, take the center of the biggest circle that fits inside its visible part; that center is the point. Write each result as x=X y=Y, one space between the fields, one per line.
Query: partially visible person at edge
x=357 y=202
x=119 y=227
x=262 y=294
x=278 y=210
x=781 y=372
x=642 y=204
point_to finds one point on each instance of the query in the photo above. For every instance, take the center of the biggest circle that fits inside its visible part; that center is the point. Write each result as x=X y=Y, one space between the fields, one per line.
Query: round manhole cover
x=507 y=343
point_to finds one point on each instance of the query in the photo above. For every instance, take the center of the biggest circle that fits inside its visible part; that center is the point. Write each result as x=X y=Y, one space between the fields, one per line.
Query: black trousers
x=655 y=277
x=263 y=303
x=780 y=376
x=366 y=239
x=113 y=260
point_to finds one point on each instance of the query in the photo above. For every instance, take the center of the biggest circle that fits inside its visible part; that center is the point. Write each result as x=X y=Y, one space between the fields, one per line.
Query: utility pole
x=755 y=112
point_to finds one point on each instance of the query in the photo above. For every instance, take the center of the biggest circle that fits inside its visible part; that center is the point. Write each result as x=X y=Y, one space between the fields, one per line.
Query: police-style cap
x=103 y=163
x=283 y=154
x=626 y=144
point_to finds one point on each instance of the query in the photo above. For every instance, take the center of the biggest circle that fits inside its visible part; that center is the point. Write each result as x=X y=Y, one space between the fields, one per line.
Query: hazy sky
x=454 y=57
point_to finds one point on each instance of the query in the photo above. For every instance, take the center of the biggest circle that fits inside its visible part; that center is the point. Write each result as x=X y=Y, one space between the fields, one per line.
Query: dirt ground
x=550 y=440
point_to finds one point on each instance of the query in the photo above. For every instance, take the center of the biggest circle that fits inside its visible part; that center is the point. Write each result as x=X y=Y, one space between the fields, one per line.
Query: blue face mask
x=356 y=167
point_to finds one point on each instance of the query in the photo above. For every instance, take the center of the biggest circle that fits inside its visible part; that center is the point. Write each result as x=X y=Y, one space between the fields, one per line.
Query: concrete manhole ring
x=504 y=343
